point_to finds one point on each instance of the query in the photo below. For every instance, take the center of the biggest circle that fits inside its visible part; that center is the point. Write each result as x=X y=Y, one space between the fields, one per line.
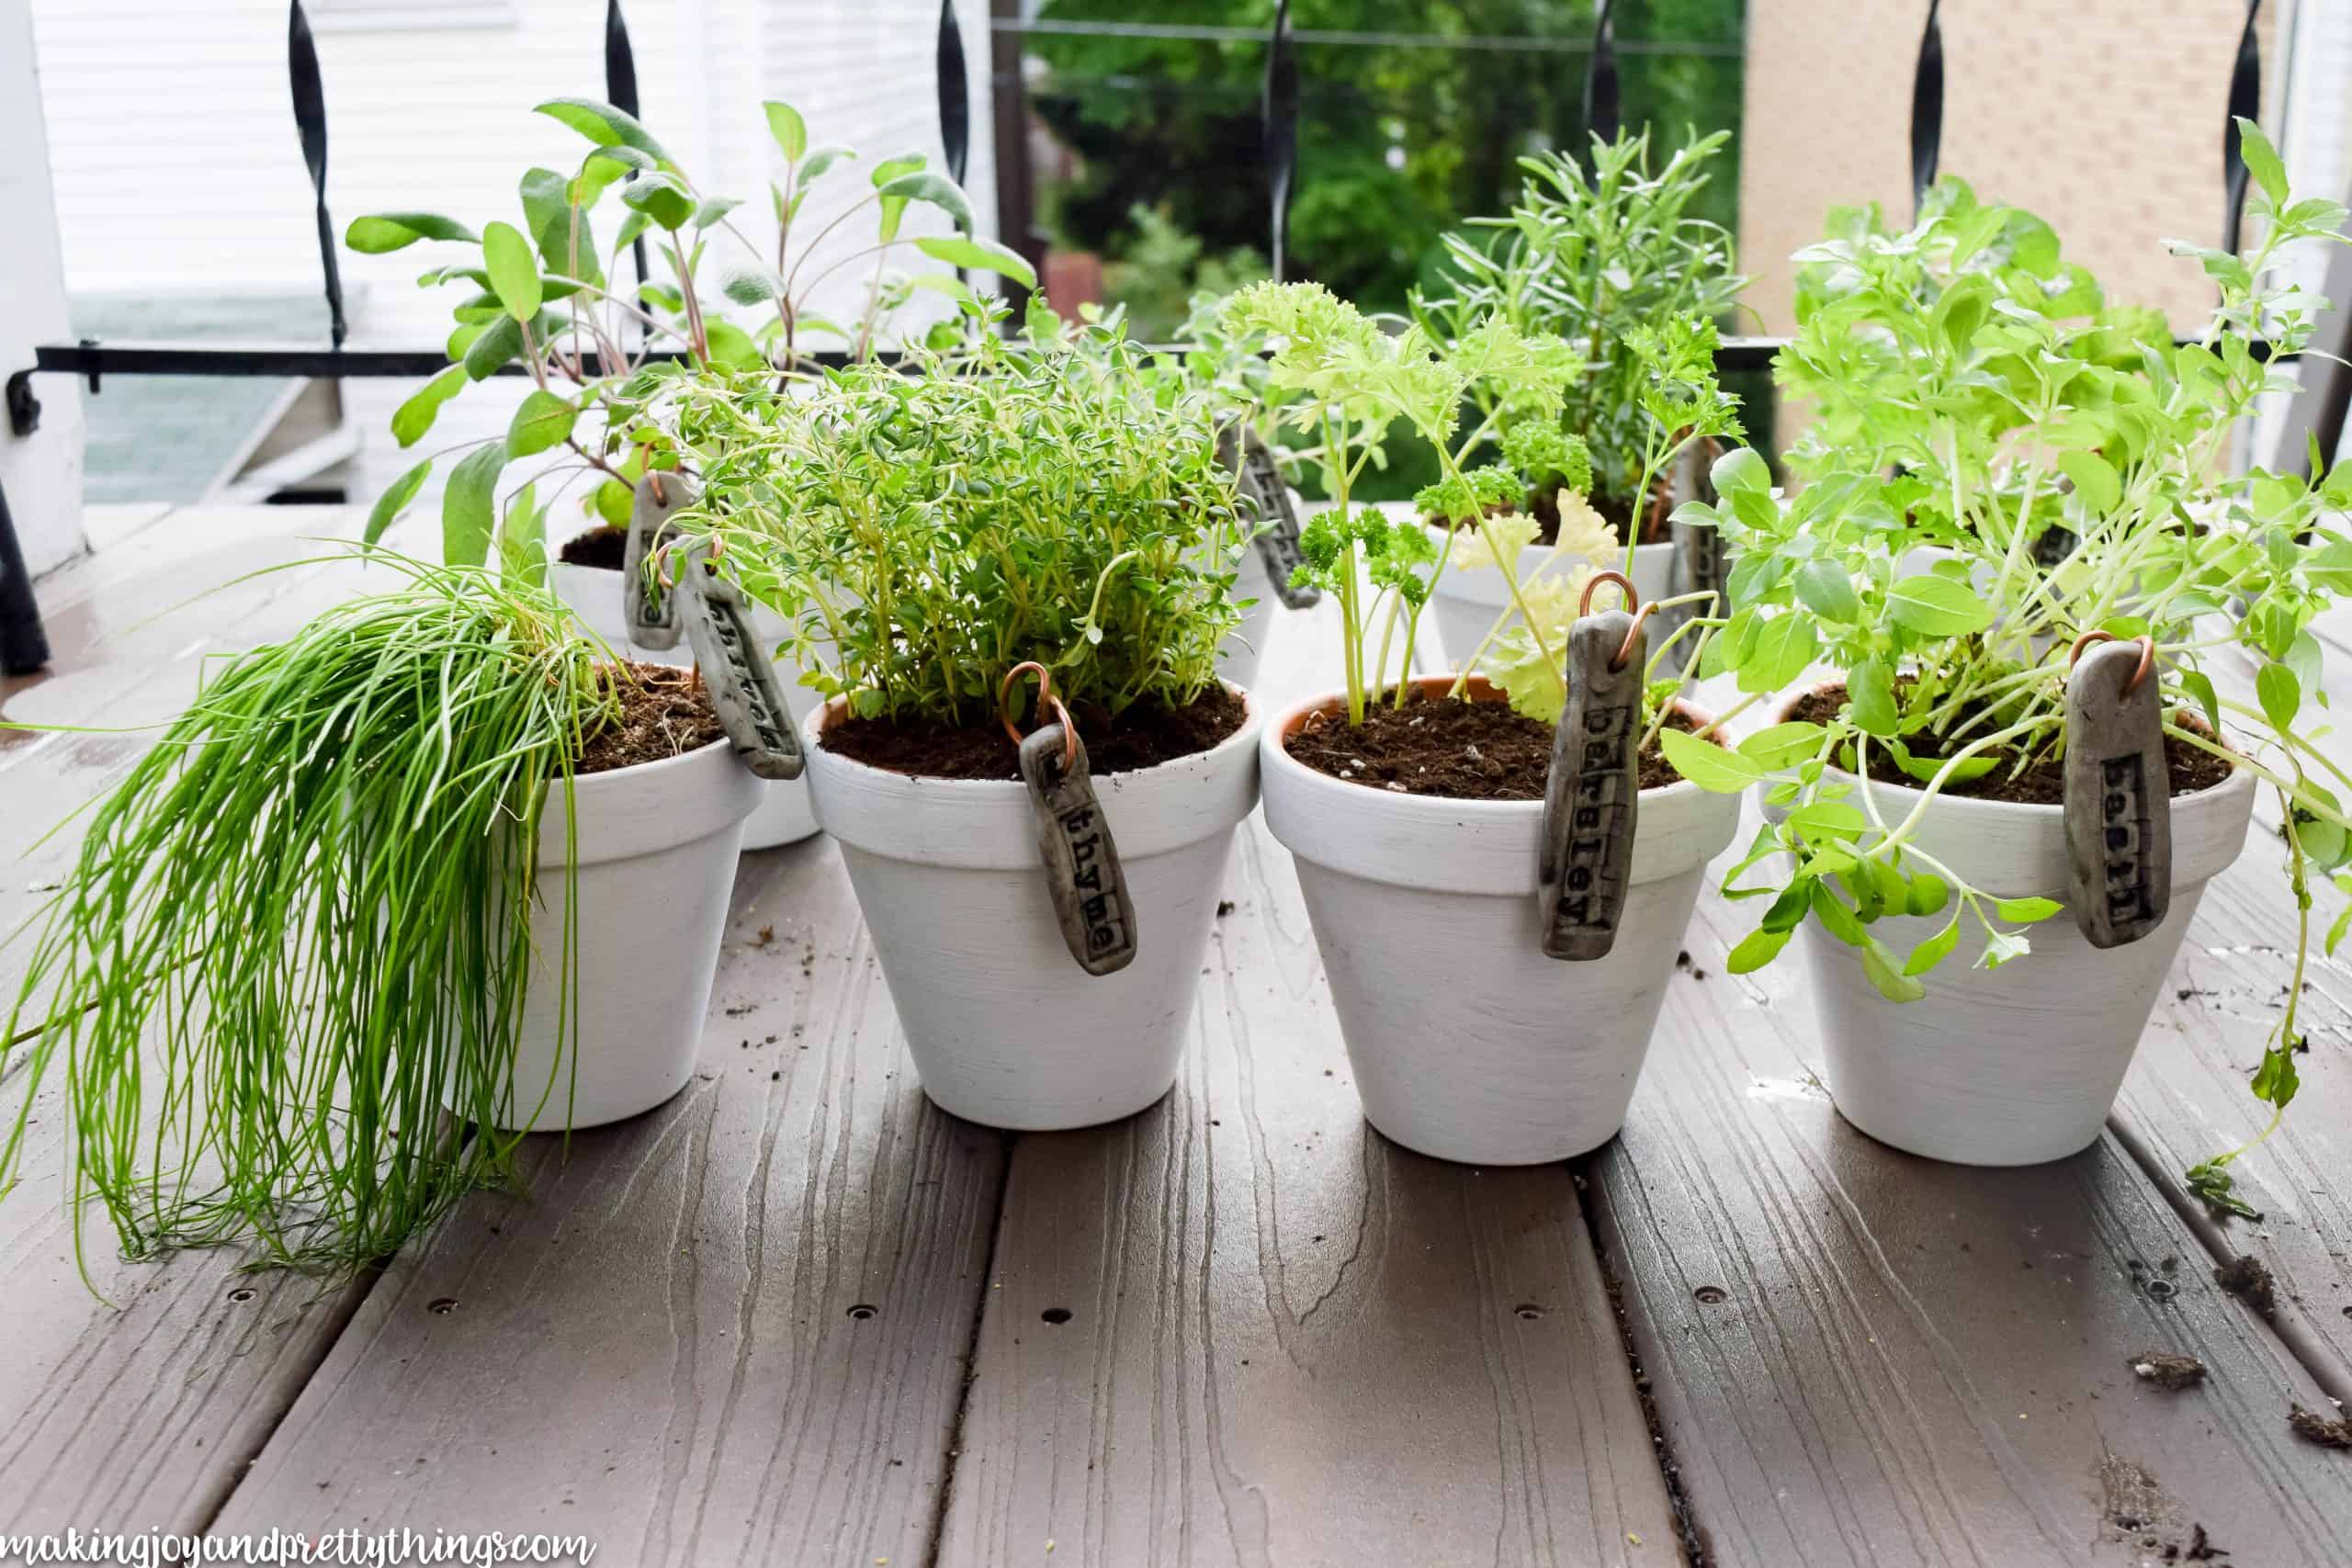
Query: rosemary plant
x=1959 y=670
x=283 y=979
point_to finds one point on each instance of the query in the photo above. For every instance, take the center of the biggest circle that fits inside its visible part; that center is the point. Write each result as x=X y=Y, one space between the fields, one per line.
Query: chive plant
x=284 y=981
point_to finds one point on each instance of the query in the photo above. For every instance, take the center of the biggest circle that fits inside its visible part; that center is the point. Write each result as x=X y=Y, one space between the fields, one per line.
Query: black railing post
x=1926 y=109
x=311 y=121
x=23 y=647
x=2245 y=102
x=1279 y=115
x=620 y=91
x=1603 y=111
x=954 y=95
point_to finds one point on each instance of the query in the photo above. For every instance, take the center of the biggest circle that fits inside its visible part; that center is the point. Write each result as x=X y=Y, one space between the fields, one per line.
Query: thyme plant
x=1957 y=671
x=1594 y=257
x=297 y=931
x=923 y=533
x=604 y=353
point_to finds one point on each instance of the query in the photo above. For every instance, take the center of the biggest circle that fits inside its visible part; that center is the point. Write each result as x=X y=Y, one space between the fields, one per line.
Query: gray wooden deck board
x=1919 y=1363
x=657 y=1346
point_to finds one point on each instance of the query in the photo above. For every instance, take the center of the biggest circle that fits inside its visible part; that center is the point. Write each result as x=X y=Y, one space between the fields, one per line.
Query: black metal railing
x=21 y=648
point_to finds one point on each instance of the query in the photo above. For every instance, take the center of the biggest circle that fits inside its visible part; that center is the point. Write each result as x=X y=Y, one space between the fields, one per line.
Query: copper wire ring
x=1625 y=650
x=653 y=483
x=1045 y=699
x=1632 y=599
x=2147 y=655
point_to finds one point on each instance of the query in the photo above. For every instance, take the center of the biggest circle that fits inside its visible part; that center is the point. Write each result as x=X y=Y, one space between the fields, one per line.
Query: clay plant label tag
x=2118 y=799
x=740 y=674
x=1259 y=480
x=650 y=614
x=1082 y=873
x=1593 y=792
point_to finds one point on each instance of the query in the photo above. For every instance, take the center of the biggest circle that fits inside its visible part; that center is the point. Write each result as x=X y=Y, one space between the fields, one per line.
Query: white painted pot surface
x=1005 y=1029
x=657 y=844
x=593 y=594
x=2021 y=1064
x=1467 y=1042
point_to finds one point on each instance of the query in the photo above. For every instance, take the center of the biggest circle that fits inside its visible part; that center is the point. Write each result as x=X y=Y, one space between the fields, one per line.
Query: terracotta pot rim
x=1287 y=723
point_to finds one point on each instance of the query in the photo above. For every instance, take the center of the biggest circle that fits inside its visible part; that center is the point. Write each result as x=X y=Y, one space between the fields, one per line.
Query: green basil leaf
x=1708 y=765
x=1936 y=606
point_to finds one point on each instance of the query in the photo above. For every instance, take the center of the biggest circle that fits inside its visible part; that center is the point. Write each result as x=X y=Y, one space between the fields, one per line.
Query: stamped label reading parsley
x=1259 y=482
x=1082 y=872
x=2118 y=798
x=650 y=614
x=1593 y=793
x=740 y=676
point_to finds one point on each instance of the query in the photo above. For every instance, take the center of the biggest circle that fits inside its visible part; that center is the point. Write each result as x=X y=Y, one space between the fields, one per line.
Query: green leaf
x=821 y=161
x=467 y=504
x=1935 y=950
x=2276 y=1080
x=933 y=190
x=383 y=232
x=1936 y=606
x=1778 y=653
x=1781 y=745
x=395 y=501
x=2025 y=912
x=548 y=211
x=514 y=271
x=1708 y=765
x=1878 y=963
x=2280 y=694
x=662 y=196
x=791 y=132
x=1828 y=592
x=711 y=211
x=2200 y=686
x=415 y=417
x=1755 y=950
x=732 y=346
x=604 y=125
x=1836 y=918
x=752 y=285
x=1740 y=470
x=981 y=255
x=613 y=500
x=492 y=346
x=2211 y=1182
x=1787 y=910
x=2095 y=480
x=522 y=542
x=1926 y=895
x=545 y=420
x=1871 y=691
x=2262 y=161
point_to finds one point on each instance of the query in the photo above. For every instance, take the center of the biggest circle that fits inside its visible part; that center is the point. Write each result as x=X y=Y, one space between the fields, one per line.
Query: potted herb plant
x=1919 y=824
x=1018 y=543
x=606 y=355
x=1593 y=253
x=420 y=877
x=1415 y=809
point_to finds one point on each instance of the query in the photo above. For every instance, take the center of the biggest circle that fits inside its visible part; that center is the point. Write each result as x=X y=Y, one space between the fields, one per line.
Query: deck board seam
x=1008 y=1143
x=2293 y=1334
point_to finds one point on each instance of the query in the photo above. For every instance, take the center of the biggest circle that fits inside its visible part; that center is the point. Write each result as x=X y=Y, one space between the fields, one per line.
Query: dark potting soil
x=2169 y=1371
x=665 y=712
x=2245 y=1278
x=1142 y=735
x=2043 y=783
x=603 y=549
x=1442 y=745
x=2314 y=1427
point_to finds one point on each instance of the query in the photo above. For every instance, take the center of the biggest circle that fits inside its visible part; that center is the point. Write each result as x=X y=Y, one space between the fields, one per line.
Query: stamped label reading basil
x=740 y=675
x=1083 y=874
x=650 y=614
x=2118 y=799
x=1259 y=479
x=1592 y=795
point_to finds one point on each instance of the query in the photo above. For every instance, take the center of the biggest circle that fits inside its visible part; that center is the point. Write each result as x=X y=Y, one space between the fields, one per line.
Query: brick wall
x=2103 y=115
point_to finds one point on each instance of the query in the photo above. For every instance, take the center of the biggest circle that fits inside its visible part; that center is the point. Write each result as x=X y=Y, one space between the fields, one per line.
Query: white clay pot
x=593 y=594
x=656 y=847
x=1467 y=1042
x=2021 y=1064
x=1005 y=1029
